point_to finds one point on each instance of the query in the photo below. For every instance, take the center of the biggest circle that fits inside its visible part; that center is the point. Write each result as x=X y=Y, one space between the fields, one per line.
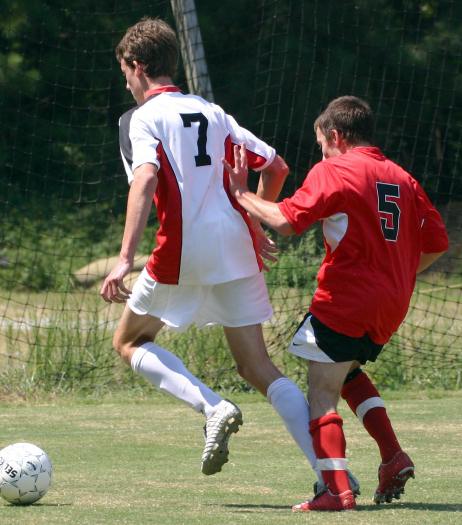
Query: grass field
x=136 y=461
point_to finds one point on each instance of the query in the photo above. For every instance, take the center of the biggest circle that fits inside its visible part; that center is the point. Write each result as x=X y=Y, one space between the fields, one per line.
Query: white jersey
x=204 y=235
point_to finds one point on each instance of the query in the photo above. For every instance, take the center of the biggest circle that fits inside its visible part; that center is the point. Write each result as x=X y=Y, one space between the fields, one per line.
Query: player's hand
x=113 y=289
x=266 y=247
x=237 y=175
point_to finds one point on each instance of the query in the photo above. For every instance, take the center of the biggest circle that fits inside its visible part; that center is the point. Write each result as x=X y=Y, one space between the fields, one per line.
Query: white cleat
x=217 y=430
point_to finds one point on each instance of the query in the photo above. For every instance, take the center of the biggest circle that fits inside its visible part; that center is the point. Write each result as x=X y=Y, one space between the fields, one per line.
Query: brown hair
x=151 y=42
x=350 y=116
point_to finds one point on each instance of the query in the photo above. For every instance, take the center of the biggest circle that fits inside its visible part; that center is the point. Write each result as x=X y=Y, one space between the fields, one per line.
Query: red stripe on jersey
x=165 y=261
x=254 y=161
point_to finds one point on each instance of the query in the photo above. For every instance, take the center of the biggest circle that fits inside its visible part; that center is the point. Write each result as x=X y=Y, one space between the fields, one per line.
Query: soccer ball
x=25 y=473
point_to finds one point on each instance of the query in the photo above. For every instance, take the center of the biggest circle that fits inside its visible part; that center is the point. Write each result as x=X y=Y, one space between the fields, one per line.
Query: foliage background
x=274 y=65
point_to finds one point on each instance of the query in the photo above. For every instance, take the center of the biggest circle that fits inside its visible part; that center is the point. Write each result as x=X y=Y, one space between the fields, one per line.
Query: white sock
x=168 y=373
x=290 y=403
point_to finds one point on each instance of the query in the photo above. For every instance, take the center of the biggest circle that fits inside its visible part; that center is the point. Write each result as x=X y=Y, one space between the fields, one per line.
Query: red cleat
x=392 y=478
x=326 y=501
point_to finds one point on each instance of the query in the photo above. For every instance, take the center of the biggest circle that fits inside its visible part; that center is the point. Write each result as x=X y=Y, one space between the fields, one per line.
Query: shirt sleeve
x=434 y=234
x=259 y=154
x=144 y=143
x=319 y=197
x=125 y=144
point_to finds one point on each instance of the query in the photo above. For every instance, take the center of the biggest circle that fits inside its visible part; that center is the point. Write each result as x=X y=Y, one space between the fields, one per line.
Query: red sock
x=329 y=444
x=365 y=401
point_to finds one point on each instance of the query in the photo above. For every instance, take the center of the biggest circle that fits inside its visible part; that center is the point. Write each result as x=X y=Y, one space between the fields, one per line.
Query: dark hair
x=151 y=42
x=350 y=116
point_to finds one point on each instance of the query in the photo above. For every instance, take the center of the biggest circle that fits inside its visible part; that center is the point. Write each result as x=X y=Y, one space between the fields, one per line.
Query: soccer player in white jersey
x=380 y=230
x=206 y=267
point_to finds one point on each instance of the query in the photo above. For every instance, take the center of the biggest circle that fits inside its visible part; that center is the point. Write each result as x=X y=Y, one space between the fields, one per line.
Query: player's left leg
x=364 y=400
x=134 y=342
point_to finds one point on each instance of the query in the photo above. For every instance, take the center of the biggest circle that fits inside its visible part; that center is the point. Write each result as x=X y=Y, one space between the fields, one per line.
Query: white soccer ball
x=25 y=473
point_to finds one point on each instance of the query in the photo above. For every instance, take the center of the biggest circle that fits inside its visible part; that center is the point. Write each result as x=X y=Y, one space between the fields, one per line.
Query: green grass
x=136 y=461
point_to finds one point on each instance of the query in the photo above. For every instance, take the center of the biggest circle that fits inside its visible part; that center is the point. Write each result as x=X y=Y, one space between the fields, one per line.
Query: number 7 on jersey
x=202 y=158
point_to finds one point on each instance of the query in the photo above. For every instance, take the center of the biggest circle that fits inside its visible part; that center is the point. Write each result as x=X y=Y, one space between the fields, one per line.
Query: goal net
x=273 y=66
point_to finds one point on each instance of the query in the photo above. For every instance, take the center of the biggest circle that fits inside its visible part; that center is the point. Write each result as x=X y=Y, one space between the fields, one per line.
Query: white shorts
x=304 y=344
x=236 y=303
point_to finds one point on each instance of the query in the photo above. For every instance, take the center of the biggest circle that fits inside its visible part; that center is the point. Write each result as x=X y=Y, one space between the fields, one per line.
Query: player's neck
x=153 y=84
x=359 y=145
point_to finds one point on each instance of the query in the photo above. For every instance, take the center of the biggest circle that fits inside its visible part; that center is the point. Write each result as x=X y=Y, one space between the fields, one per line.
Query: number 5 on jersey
x=202 y=159
x=389 y=210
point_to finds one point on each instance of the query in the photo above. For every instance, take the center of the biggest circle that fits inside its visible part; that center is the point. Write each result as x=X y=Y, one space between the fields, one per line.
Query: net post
x=192 y=49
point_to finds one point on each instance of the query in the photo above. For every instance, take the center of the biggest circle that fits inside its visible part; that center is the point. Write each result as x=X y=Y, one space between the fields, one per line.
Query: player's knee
x=323 y=395
x=260 y=377
x=116 y=342
x=322 y=391
x=122 y=347
x=248 y=373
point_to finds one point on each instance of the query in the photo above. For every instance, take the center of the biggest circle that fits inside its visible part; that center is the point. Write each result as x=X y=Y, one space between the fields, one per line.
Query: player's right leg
x=241 y=306
x=325 y=381
x=255 y=366
x=327 y=370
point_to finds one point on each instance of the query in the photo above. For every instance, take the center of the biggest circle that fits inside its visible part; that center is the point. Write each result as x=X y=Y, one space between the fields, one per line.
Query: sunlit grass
x=136 y=460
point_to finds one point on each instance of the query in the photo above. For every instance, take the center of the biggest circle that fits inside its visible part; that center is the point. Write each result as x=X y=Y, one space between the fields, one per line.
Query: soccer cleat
x=392 y=478
x=217 y=430
x=319 y=487
x=326 y=501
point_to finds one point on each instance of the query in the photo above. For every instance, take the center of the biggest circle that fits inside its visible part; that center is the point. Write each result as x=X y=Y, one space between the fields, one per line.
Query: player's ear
x=139 y=68
x=336 y=137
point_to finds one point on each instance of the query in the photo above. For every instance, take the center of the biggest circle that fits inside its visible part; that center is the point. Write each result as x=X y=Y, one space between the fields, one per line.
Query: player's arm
x=263 y=210
x=139 y=206
x=435 y=241
x=272 y=179
x=427 y=259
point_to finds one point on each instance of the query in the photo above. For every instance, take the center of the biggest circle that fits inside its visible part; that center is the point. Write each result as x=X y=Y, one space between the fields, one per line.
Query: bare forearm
x=264 y=211
x=138 y=209
x=272 y=179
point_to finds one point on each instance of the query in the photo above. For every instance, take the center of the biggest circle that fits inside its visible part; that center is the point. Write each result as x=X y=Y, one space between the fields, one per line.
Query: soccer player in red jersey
x=206 y=267
x=380 y=230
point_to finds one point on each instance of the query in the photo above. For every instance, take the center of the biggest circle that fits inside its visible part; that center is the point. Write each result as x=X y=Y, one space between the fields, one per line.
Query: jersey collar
x=370 y=151
x=162 y=89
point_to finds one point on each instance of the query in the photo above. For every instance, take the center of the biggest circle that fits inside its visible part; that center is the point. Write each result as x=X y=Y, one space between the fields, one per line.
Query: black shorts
x=340 y=347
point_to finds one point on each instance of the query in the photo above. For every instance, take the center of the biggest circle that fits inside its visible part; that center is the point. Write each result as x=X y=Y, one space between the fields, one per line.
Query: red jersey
x=376 y=222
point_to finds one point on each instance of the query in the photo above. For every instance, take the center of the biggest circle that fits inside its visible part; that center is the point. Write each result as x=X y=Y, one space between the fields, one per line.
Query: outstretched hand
x=113 y=289
x=238 y=184
x=237 y=175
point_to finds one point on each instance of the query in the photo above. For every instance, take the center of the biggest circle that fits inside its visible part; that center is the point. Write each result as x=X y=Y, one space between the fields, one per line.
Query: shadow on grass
x=250 y=507
x=435 y=507
x=36 y=505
